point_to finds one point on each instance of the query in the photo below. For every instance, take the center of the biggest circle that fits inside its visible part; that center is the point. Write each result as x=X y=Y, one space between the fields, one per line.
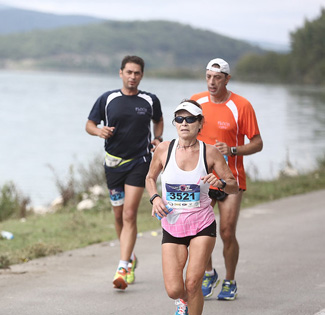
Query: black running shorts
x=211 y=230
x=134 y=177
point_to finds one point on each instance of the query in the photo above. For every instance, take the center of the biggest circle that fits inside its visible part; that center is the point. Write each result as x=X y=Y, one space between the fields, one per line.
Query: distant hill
x=280 y=48
x=35 y=40
x=14 y=20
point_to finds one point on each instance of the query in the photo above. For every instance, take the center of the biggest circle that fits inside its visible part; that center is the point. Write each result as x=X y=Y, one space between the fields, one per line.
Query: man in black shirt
x=127 y=114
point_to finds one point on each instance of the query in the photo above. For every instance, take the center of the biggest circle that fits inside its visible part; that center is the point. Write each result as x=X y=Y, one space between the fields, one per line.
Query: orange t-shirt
x=228 y=122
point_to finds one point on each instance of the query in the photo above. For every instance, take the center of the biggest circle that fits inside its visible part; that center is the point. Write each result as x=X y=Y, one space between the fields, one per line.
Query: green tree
x=304 y=64
x=271 y=67
x=308 y=51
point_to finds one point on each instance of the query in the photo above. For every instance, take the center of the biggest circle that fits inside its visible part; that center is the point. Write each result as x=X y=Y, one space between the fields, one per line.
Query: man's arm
x=255 y=145
x=104 y=132
x=158 y=128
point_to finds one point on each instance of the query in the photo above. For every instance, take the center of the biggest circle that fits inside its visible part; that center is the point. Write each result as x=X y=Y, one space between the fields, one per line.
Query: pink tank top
x=186 y=193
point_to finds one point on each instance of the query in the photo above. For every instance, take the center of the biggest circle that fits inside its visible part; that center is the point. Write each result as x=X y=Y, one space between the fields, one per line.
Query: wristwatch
x=224 y=184
x=233 y=151
x=153 y=197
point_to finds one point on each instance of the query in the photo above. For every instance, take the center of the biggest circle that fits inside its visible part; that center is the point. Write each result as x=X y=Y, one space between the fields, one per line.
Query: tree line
x=304 y=64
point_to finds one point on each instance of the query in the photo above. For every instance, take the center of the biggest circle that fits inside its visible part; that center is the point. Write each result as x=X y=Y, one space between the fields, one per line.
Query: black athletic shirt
x=131 y=117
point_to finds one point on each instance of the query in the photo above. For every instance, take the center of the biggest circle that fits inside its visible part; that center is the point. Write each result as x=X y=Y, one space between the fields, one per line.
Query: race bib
x=117 y=196
x=183 y=196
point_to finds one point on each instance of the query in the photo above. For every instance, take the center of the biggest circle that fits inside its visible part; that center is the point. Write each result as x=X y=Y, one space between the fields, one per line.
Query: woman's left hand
x=211 y=179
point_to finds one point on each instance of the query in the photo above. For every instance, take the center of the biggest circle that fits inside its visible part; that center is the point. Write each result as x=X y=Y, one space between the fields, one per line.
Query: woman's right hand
x=159 y=208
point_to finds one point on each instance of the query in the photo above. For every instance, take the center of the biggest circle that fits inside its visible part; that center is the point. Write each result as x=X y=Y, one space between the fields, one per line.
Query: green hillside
x=168 y=48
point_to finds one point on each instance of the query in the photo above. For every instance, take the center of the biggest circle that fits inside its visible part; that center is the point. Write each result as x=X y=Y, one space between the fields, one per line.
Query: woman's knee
x=193 y=285
x=175 y=291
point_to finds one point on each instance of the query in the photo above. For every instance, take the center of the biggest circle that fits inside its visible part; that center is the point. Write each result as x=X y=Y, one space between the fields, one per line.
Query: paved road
x=281 y=271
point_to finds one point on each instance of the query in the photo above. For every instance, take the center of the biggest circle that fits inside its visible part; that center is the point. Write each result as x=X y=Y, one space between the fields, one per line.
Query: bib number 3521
x=183 y=196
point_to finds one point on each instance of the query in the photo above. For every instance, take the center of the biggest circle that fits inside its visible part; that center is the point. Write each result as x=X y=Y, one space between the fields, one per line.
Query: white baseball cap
x=224 y=66
x=191 y=108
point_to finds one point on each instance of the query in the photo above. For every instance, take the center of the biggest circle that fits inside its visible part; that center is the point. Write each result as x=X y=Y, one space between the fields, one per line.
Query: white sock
x=210 y=273
x=233 y=281
x=132 y=256
x=123 y=264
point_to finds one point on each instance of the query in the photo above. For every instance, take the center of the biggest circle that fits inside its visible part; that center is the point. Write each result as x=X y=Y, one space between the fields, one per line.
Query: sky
x=252 y=20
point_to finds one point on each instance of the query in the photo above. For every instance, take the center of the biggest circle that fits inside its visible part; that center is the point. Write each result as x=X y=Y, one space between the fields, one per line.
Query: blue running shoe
x=209 y=283
x=228 y=291
x=181 y=307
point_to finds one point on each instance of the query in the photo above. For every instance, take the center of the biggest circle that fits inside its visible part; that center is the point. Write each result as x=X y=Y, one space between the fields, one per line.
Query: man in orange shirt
x=228 y=119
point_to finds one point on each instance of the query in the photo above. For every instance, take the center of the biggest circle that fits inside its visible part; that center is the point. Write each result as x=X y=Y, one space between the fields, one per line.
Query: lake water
x=43 y=118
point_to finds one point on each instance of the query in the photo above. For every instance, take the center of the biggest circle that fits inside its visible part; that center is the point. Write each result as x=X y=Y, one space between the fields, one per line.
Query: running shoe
x=120 y=279
x=209 y=283
x=228 y=291
x=130 y=273
x=181 y=307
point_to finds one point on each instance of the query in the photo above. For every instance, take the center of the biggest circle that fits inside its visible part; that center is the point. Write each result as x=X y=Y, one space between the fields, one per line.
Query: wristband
x=153 y=197
x=223 y=183
x=233 y=151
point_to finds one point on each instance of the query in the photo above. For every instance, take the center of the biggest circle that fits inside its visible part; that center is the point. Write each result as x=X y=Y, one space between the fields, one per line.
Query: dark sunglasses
x=188 y=119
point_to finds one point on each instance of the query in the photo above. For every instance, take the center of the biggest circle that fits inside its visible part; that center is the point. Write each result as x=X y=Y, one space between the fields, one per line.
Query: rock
x=288 y=172
x=57 y=203
x=85 y=204
x=97 y=191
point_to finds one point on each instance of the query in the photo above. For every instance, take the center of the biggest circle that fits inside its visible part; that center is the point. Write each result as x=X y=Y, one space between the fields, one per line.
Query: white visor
x=189 y=107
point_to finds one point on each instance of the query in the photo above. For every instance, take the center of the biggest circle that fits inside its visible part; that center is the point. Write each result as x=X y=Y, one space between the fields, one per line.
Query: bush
x=9 y=201
x=92 y=174
x=78 y=182
x=4 y=262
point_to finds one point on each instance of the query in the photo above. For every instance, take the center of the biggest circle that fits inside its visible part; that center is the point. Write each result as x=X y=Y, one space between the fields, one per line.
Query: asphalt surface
x=281 y=270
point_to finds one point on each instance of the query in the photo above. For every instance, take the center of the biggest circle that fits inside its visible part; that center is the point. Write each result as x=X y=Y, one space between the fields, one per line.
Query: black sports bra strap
x=170 y=148
x=205 y=157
